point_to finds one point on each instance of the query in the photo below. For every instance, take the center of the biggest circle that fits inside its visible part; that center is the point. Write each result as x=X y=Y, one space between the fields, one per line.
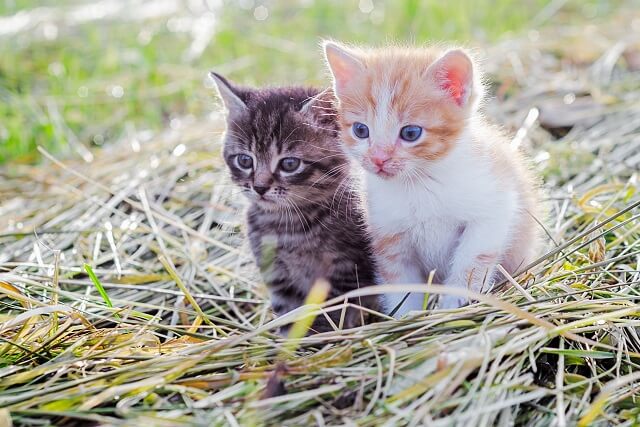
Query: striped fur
x=308 y=225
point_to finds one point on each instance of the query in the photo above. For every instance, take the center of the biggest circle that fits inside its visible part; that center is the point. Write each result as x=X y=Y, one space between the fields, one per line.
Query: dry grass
x=168 y=324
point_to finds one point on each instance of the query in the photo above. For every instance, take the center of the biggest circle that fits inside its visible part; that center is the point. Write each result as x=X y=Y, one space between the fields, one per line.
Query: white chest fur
x=458 y=193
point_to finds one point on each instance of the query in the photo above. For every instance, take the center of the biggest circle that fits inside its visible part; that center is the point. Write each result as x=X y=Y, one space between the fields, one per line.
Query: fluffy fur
x=306 y=224
x=458 y=200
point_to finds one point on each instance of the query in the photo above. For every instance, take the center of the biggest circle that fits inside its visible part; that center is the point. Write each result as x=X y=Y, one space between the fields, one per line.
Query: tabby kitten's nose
x=260 y=190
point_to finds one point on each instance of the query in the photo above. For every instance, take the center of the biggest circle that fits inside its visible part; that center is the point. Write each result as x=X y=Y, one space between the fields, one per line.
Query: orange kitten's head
x=402 y=107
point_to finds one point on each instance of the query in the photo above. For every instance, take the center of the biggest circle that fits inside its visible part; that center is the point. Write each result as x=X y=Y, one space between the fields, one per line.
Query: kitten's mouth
x=385 y=174
x=269 y=204
x=385 y=170
x=261 y=200
x=266 y=201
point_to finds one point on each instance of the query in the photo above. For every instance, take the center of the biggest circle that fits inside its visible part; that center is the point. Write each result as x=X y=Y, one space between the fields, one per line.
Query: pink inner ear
x=343 y=74
x=344 y=66
x=454 y=74
x=342 y=81
x=454 y=83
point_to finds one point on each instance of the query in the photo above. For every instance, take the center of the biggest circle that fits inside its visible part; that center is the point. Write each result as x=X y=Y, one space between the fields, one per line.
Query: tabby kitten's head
x=281 y=144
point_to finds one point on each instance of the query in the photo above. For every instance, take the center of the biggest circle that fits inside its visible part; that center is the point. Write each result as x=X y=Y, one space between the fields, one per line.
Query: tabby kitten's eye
x=410 y=133
x=289 y=164
x=244 y=161
x=360 y=130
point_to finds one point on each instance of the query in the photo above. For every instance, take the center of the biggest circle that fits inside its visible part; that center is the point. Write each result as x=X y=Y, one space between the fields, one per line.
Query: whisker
x=291 y=133
x=323 y=204
x=319 y=127
x=333 y=171
x=326 y=157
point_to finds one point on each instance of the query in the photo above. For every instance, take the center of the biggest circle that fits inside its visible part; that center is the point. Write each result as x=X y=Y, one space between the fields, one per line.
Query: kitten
x=445 y=191
x=304 y=224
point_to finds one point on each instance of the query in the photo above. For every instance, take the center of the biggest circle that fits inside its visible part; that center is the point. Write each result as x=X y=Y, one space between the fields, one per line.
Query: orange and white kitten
x=445 y=191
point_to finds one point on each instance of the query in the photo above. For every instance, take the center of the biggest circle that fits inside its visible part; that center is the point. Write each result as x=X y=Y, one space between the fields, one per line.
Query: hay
x=168 y=324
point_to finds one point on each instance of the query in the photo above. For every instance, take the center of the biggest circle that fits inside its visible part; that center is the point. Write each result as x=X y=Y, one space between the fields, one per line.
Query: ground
x=128 y=297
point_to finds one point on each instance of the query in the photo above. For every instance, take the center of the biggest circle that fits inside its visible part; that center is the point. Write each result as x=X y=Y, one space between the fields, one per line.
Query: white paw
x=451 y=301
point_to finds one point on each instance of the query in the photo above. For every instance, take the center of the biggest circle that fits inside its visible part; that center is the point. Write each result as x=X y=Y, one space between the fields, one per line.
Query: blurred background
x=78 y=74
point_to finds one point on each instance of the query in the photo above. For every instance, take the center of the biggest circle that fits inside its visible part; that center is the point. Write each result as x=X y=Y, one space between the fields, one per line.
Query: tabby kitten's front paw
x=447 y=302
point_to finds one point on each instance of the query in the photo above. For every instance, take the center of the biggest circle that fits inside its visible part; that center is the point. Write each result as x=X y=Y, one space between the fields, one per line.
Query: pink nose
x=380 y=159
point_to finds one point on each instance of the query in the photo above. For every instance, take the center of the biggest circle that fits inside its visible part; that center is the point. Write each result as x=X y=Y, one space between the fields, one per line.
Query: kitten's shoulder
x=510 y=163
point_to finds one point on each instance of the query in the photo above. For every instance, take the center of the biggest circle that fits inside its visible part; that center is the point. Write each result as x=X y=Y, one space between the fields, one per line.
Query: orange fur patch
x=387 y=249
x=383 y=244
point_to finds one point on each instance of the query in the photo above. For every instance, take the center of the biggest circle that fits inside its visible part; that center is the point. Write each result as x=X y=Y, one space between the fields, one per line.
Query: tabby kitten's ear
x=344 y=64
x=318 y=103
x=230 y=95
x=320 y=109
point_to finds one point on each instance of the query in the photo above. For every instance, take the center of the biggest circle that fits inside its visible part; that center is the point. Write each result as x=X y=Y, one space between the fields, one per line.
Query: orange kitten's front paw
x=451 y=301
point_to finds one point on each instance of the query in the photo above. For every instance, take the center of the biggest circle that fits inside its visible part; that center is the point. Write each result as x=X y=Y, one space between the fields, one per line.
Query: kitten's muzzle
x=383 y=164
x=379 y=161
x=381 y=158
x=260 y=189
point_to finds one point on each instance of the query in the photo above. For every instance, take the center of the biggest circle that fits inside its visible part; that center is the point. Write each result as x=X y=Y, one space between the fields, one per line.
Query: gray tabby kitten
x=304 y=222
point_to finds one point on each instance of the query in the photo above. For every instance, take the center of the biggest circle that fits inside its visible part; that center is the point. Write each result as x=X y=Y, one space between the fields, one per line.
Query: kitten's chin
x=268 y=205
x=261 y=202
x=386 y=175
x=383 y=174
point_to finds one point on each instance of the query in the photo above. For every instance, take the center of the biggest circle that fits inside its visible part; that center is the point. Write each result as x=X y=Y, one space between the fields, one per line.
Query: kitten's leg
x=480 y=248
x=411 y=275
x=285 y=293
x=396 y=266
x=354 y=316
x=281 y=304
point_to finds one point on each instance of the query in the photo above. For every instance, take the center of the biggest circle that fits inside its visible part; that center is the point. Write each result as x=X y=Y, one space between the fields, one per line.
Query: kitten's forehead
x=276 y=131
x=260 y=128
x=273 y=125
x=388 y=89
x=395 y=90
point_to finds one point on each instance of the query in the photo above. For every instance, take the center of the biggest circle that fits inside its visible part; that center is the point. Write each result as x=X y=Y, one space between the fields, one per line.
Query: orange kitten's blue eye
x=410 y=133
x=360 y=130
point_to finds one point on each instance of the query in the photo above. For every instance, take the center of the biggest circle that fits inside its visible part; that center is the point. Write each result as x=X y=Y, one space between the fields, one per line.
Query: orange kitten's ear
x=344 y=65
x=453 y=73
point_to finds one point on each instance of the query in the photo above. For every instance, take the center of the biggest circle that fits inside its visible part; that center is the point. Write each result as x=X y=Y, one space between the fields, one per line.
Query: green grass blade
x=99 y=287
